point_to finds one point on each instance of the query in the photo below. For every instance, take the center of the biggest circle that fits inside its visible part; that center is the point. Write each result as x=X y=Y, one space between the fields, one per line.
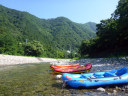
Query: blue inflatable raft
x=119 y=76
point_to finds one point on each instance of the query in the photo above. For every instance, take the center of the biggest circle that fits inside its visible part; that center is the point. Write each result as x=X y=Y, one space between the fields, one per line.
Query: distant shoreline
x=97 y=62
x=14 y=60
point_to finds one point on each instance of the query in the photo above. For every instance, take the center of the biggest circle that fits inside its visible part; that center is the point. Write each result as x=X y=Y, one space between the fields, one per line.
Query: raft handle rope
x=91 y=79
x=64 y=81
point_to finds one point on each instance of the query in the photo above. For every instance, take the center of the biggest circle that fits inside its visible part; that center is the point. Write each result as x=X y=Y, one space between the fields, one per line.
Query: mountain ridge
x=57 y=33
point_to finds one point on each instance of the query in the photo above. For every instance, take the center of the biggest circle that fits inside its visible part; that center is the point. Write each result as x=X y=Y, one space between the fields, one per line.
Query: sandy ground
x=13 y=60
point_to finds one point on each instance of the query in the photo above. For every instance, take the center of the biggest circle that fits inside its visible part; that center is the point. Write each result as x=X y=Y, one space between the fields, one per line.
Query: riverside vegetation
x=24 y=34
x=112 y=35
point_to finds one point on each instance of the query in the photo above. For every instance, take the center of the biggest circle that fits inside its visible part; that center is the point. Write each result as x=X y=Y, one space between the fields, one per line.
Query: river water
x=37 y=80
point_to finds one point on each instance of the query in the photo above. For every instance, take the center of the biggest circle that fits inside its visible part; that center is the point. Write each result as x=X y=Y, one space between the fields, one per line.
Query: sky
x=79 y=11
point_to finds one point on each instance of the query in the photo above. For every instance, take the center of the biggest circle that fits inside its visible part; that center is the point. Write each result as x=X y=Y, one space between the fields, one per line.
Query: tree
x=84 y=48
x=112 y=35
x=34 y=48
x=121 y=14
x=8 y=44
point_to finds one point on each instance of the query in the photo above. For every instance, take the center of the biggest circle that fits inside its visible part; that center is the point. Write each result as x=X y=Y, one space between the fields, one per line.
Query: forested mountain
x=112 y=35
x=92 y=26
x=68 y=34
x=18 y=28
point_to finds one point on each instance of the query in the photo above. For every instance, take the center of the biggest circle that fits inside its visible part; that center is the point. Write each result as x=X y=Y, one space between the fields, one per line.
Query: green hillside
x=112 y=35
x=92 y=26
x=56 y=35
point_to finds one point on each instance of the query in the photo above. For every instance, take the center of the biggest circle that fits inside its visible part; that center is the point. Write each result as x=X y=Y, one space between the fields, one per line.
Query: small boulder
x=114 y=92
x=100 y=89
x=58 y=76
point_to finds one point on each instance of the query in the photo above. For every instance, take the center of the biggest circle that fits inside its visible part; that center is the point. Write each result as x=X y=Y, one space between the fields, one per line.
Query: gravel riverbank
x=13 y=60
x=105 y=63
